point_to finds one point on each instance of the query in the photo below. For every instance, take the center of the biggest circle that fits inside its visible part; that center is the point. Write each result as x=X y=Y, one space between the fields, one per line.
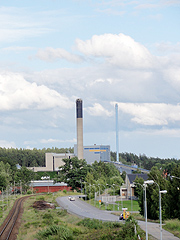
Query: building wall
x=42 y=189
x=94 y=153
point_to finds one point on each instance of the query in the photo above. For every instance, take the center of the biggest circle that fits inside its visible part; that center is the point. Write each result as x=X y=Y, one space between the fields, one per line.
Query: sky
x=102 y=51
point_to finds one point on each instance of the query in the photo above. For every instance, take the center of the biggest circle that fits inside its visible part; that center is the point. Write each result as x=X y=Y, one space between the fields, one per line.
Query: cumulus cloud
x=50 y=54
x=151 y=113
x=17 y=93
x=98 y=110
x=119 y=50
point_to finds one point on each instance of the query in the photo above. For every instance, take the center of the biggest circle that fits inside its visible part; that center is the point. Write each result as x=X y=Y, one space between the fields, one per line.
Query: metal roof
x=46 y=183
x=132 y=177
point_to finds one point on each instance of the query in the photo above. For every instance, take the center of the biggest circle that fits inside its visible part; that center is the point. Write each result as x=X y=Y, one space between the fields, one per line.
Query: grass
x=173 y=226
x=57 y=224
x=6 y=205
x=117 y=206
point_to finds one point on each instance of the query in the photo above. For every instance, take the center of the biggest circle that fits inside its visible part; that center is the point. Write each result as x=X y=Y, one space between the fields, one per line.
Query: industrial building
x=91 y=154
x=95 y=153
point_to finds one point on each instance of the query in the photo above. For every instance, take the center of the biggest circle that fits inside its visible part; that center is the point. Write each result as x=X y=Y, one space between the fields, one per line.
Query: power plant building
x=95 y=153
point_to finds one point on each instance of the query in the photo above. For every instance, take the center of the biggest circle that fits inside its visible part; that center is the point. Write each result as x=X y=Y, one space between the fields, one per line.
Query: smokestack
x=117 y=134
x=79 y=117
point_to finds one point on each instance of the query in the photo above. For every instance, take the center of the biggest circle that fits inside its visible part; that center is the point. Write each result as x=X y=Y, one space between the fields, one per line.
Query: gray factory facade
x=91 y=154
x=95 y=153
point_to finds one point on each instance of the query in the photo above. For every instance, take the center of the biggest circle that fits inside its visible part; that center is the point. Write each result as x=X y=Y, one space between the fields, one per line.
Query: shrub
x=64 y=191
x=58 y=232
x=62 y=213
x=40 y=198
x=91 y=223
x=48 y=218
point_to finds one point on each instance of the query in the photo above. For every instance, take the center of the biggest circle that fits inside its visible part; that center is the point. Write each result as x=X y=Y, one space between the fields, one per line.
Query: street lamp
x=175 y=177
x=145 y=185
x=160 y=215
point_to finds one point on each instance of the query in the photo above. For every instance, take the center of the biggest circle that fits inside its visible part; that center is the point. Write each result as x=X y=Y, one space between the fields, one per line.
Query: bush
x=55 y=232
x=64 y=191
x=40 y=198
x=98 y=224
x=48 y=218
x=62 y=213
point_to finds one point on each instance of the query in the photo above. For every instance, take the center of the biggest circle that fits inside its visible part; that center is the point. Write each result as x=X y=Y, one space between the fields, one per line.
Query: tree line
x=142 y=161
x=36 y=158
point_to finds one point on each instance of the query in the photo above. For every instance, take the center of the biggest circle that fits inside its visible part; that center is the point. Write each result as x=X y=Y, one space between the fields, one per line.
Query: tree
x=5 y=175
x=73 y=172
x=23 y=177
x=139 y=192
x=172 y=209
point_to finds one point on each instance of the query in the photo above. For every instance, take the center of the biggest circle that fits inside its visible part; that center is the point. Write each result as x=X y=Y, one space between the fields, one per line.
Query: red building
x=48 y=186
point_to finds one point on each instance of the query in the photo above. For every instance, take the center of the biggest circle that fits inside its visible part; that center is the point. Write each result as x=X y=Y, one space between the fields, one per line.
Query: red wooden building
x=48 y=186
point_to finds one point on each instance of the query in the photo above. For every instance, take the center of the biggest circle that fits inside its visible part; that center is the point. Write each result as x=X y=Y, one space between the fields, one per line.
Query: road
x=85 y=210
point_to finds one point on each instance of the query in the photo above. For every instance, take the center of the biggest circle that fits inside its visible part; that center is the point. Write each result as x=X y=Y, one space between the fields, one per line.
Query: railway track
x=9 y=228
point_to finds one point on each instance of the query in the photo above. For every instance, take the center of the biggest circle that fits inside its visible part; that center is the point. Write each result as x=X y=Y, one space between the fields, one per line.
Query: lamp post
x=175 y=177
x=160 y=215
x=145 y=185
x=145 y=200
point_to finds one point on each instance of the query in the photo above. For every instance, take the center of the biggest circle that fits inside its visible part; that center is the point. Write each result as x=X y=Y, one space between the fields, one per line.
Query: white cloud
x=17 y=93
x=58 y=140
x=98 y=110
x=119 y=50
x=151 y=113
x=50 y=54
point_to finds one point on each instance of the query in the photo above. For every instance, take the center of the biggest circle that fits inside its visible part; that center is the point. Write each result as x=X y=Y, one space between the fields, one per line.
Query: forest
x=36 y=158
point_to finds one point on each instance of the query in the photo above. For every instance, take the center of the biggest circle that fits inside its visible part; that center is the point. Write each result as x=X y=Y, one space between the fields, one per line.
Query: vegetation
x=170 y=202
x=57 y=224
x=97 y=178
x=145 y=162
x=27 y=157
x=36 y=158
x=173 y=226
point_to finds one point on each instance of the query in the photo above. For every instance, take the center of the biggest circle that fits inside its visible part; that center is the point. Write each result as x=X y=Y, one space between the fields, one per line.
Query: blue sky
x=105 y=52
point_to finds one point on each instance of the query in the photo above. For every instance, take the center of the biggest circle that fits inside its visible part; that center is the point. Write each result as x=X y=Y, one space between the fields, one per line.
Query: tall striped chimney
x=79 y=117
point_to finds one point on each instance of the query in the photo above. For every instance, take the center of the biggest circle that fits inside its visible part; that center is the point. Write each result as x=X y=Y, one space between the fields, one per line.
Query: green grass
x=116 y=207
x=173 y=226
x=57 y=224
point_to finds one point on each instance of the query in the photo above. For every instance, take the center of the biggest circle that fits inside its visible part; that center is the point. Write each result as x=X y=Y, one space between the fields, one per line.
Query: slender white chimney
x=79 y=117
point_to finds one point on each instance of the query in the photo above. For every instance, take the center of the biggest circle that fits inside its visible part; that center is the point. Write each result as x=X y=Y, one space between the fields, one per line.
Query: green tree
x=173 y=194
x=5 y=175
x=73 y=172
x=23 y=177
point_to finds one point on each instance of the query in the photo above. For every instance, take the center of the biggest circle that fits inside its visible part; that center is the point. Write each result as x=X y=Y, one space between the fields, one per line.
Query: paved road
x=85 y=210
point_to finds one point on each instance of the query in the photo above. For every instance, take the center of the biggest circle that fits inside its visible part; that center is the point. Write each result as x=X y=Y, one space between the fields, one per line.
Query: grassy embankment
x=58 y=224
x=173 y=226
